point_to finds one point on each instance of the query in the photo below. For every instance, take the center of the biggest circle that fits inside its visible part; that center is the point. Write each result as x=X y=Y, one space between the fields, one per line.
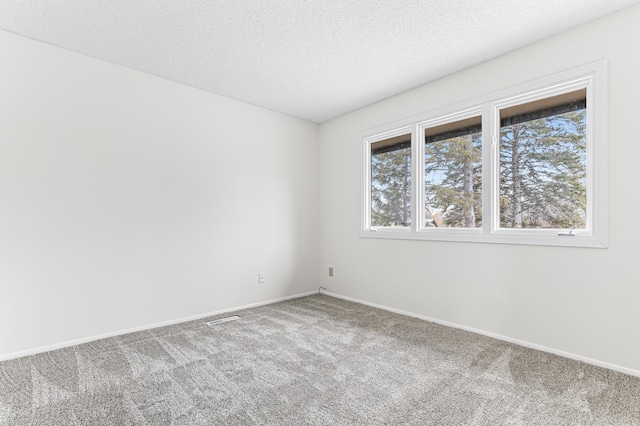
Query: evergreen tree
x=542 y=177
x=453 y=182
x=391 y=188
x=543 y=172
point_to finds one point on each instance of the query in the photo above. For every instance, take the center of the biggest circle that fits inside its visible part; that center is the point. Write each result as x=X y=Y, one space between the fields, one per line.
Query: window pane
x=543 y=163
x=391 y=182
x=453 y=174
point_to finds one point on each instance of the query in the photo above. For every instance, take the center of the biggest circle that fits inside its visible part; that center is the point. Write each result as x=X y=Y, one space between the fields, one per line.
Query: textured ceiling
x=311 y=59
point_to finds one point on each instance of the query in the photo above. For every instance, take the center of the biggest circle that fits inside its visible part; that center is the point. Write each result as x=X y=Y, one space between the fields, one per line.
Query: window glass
x=543 y=163
x=391 y=182
x=524 y=165
x=453 y=174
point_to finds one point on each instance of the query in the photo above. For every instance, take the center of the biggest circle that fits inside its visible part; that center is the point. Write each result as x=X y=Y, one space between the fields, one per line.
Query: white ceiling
x=311 y=59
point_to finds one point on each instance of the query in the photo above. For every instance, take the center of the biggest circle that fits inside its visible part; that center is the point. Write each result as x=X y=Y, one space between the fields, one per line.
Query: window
x=522 y=166
x=453 y=173
x=543 y=163
x=390 y=186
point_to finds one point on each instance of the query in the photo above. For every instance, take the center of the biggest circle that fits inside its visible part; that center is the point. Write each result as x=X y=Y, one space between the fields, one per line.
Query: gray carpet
x=311 y=361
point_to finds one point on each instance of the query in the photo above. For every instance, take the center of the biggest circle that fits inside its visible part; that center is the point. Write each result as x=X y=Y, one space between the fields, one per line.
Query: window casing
x=526 y=165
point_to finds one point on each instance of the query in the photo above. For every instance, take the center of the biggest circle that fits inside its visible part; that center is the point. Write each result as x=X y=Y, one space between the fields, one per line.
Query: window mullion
x=418 y=181
x=490 y=172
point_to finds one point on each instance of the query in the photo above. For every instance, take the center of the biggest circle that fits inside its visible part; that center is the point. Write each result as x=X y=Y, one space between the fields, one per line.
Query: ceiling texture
x=310 y=59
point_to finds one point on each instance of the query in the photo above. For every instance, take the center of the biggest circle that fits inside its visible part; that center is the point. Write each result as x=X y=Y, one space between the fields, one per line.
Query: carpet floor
x=316 y=360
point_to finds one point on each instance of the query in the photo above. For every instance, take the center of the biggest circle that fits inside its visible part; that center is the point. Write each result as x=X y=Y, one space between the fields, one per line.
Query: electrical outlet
x=330 y=271
x=261 y=278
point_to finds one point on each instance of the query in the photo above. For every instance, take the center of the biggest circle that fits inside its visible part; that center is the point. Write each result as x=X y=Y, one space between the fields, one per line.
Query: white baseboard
x=530 y=345
x=34 y=351
x=41 y=349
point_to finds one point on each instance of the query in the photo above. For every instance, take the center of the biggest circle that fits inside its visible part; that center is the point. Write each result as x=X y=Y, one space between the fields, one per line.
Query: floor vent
x=221 y=320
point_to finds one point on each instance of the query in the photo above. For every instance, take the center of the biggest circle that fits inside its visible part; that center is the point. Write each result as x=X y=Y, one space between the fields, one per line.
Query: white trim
x=490 y=170
x=592 y=76
x=416 y=197
x=475 y=235
x=68 y=343
x=600 y=132
x=519 y=342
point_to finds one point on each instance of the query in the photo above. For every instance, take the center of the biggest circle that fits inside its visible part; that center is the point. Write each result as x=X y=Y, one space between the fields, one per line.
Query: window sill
x=477 y=236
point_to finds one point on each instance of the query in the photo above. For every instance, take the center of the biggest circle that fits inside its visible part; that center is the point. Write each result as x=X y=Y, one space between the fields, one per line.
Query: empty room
x=319 y=213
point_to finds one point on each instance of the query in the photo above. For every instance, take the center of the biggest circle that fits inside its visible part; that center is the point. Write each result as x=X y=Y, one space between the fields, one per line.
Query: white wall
x=585 y=302
x=128 y=200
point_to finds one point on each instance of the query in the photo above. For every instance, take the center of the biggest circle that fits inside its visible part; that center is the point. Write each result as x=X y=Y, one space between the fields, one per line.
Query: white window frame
x=445 y=233
x=368 y=140
x=591 y=76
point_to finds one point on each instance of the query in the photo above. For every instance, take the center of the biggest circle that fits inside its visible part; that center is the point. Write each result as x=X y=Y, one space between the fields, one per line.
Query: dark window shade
x=543 y=108
x=544 y=113
x=454 y=129
x=464 y=131
x=392 y=144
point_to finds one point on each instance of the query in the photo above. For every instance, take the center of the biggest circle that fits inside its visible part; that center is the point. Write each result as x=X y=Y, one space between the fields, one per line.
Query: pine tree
x=543 y=172
x=453 y=181
x=391 y=188
x=542 y=177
